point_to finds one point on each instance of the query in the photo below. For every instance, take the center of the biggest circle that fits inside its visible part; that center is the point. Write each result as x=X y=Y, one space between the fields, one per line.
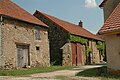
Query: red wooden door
x=74 y=54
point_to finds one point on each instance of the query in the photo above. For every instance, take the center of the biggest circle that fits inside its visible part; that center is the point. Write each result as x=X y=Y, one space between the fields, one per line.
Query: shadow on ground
x=98 y=72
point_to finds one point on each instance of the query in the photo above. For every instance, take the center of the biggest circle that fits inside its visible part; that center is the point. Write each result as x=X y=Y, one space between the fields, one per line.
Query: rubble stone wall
x=16 y=32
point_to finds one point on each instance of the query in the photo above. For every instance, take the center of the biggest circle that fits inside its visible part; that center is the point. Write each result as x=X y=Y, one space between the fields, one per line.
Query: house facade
x=70 y=44
x=23 y=38
x=111 y=33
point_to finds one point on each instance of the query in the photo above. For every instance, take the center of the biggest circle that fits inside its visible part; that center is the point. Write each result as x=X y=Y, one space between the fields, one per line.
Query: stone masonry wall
x=16 y=32
x=95 y=51
x=67 y=55
x=95 y=58
x=58 y=38
x=59 y=41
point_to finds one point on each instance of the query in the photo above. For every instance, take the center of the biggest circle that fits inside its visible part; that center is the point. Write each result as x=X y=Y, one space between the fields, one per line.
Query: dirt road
x=51 y=75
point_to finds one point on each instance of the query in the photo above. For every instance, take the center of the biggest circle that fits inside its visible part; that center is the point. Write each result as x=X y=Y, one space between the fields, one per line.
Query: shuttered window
x=37 y=34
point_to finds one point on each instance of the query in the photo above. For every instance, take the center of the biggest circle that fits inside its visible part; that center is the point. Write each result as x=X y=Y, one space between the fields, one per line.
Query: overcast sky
x=69 y=10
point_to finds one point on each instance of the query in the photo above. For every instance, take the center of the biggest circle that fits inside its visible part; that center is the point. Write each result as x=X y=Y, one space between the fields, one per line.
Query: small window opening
x=37 y=48
x=55 y=28
x=15 y=27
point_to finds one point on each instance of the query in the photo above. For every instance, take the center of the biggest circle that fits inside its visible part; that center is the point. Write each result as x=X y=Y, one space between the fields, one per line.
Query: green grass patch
x=63 y=78
x=100 y=72
x=25 y=71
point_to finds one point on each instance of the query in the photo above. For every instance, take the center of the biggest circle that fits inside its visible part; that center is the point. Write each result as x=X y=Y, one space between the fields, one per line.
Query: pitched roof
x=103 y=2
x=69 y=27
x=8 y=8
x=113 y=22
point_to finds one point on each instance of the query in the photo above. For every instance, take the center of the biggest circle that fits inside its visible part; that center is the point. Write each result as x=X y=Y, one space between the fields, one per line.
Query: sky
x=69 y=10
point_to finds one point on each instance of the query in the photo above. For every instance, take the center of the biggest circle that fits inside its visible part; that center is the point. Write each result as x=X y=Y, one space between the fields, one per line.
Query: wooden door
x=22 y=56
x=76 y=54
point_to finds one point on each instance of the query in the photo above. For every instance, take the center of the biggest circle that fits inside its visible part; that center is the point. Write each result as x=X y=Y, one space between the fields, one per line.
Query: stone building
x=23 y=38
x=70 y=44
x=111 y=33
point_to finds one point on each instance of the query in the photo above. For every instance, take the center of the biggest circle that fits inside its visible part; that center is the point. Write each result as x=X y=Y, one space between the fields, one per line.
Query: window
x=37 y=48
x=37 y=34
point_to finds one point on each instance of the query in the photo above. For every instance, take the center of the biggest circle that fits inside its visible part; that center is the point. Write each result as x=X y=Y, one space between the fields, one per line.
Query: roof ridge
x=57 y=18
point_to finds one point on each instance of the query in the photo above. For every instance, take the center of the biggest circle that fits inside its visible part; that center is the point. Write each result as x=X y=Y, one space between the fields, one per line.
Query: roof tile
x=69 y=27
x=8 y=8
x=113 y=21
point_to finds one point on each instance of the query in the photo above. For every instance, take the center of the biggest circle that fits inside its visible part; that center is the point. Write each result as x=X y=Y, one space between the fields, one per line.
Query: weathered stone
x=15 y=32
x=60 y=46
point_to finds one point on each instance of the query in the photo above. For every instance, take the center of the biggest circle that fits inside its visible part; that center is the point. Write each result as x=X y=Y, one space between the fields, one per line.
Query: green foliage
x=101 y=47
x=78 y=39
x=63 y=78
x=82 y=41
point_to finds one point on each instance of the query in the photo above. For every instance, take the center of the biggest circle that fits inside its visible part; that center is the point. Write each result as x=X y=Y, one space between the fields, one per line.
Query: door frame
x=23 y=44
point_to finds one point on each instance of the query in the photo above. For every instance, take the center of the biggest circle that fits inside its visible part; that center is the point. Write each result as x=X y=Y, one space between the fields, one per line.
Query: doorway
x=22 y=55
x=76 y=54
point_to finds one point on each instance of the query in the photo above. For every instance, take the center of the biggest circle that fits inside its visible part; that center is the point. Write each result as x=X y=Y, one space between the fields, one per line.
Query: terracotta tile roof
x=8 y=8
x=103 y=2
x=69 y=27
x=113 y=22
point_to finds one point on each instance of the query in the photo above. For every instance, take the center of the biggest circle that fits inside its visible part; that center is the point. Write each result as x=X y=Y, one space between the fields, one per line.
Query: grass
x=63 y=78
x=100 y=72
x=25 y=71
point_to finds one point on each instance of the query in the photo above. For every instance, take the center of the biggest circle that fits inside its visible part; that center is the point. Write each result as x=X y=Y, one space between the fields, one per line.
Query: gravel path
x=52 y=75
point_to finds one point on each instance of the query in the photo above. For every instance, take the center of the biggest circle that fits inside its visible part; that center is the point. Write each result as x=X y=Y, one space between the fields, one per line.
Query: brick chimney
x=80 y=24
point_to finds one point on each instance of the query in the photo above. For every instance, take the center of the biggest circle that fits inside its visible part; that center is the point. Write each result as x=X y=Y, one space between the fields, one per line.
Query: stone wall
x=109 y=6
x=15 y=32
x=67 y=55
x=58 y=38
x=94 y=54
x=113 y=51
x=60 y=48
x=83 y=55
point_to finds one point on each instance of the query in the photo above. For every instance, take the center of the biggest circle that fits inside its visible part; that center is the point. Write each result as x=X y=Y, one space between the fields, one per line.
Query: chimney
x=80 y=24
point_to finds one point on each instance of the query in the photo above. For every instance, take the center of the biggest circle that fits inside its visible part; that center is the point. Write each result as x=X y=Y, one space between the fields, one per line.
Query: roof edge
x=109 y=32
x=38 y=12
x=102 y=4
x=23 y=20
